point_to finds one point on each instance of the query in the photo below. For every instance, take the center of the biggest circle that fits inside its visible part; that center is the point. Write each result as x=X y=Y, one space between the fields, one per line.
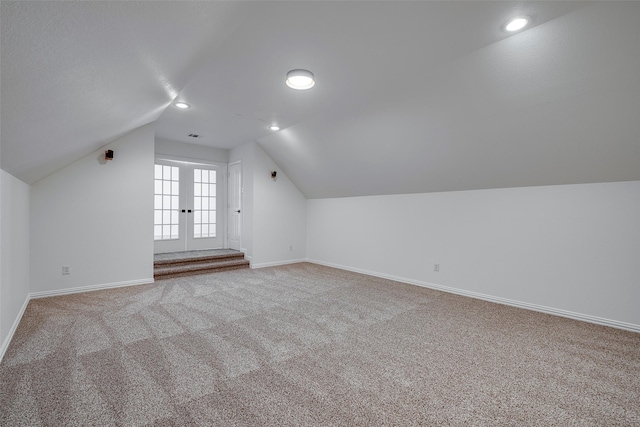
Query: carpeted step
x=198 y=267
x=165 y=269
x=209 y=258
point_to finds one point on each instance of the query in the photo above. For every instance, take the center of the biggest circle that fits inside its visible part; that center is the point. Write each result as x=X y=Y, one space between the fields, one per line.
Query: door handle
x=238 y=211
x=183 y=210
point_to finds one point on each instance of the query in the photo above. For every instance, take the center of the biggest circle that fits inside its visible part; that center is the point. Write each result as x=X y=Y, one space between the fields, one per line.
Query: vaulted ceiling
x=410 y=96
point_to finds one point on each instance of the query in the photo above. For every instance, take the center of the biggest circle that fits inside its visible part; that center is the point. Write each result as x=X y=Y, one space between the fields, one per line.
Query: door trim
x=189 y=160
x=242 y=205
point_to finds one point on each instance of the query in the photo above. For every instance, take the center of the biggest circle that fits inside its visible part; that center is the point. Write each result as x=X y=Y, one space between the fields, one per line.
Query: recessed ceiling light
x=300 y=79
x=274 y=127
x=517 y=23
x=182 y=105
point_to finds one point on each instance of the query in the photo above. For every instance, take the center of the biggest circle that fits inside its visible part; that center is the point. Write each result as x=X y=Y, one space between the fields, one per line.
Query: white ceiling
x=410 y=96
x=77 y=75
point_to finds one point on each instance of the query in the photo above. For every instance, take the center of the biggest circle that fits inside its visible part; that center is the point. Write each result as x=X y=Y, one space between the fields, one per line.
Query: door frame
x=221 y=187
x=242 y=207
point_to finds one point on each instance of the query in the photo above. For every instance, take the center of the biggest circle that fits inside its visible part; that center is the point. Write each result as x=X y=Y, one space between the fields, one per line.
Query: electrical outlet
x=290 y=248
x=436 y=267
x=65 y=270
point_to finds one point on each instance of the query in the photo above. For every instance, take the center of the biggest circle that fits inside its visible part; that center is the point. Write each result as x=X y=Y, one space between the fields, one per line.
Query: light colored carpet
x=305 y=345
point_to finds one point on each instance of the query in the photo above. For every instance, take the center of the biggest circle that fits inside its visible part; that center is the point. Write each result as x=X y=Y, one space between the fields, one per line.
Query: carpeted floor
x=310 y=346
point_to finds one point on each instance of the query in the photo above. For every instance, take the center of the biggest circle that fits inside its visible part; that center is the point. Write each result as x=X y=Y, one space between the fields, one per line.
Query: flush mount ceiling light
x=274 y=127
x=517 y=23
x=300 y=79
x=182 y=105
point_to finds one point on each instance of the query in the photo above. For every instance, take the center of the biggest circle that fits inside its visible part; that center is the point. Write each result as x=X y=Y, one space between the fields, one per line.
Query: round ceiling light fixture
x=274 y=127
x=300 y=79
x=517 y=23
x=182 y=105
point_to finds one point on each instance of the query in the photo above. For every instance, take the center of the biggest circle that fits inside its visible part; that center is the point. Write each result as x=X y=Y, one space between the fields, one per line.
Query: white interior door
x=168 y=235
x=189 y=205
x=205 y=208
x=235 y=206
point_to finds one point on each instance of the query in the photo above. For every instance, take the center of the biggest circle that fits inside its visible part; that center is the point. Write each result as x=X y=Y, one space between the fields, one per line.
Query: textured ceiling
x=410 y=96
x=77 y=75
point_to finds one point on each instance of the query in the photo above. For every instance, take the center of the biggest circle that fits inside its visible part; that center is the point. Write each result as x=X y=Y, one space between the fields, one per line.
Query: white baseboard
x=12 y=331
x=68 y=291
x=276 y=263
x=514 y=303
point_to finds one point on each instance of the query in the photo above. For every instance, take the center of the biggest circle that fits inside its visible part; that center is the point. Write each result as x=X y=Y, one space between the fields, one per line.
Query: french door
x=188 y=206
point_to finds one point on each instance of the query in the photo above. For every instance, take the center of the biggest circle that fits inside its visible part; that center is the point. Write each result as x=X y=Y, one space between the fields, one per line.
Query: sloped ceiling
x=410 y=96
x=77 y=75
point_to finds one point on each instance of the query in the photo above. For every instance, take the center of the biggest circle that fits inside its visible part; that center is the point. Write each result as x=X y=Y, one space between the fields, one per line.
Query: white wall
x=279 y=215
x=97 y=218
x=570 y=248
x=3 y=335
x=274 y=212
x=190 y=151
x=14 y=250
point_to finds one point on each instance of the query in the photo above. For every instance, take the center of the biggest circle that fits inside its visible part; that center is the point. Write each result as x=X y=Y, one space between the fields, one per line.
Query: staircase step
x=207 y=258
x=201 y=265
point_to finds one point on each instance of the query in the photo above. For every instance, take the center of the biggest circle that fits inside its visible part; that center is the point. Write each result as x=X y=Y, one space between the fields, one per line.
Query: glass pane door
x=205 y=229
x=204 y=203
x=187 y=201
x=166 y=209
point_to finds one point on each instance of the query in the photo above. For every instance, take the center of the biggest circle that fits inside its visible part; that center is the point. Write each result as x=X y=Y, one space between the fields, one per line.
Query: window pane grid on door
x=166 y=221
x=204 y=203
